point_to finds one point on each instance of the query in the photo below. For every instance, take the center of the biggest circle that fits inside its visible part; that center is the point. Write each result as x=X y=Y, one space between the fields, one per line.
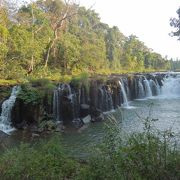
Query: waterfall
x=64 y=99
x=100 y=98
x=110 y=101
x=141 y=92
x=154 y=87
x=171 y=87
x=5 y=118
x=125 y=103
x=158 y=88
x=148 y=91
x=105 y=102
x=126 y=87
x=57 y=105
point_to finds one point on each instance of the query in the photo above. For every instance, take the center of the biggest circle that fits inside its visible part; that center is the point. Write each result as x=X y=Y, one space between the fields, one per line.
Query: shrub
x=82 y=79
x=45 y=160
x=30 y=95
x=143 y=155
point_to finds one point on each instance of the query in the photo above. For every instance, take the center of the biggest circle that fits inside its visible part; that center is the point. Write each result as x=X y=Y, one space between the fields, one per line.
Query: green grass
x=5 y=82
x=56 y=76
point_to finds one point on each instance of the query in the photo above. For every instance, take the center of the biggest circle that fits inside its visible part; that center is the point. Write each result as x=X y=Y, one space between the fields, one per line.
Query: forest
x=54 y=38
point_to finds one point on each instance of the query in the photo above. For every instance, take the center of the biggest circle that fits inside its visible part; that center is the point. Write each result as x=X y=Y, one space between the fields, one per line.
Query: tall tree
x=175 y=22
x=57 y=13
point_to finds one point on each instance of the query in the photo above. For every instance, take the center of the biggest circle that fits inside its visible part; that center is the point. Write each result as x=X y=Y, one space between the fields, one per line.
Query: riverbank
x=143 y=155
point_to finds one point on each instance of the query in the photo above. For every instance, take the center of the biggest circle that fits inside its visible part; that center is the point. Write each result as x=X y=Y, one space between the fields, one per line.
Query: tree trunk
x=59 y=25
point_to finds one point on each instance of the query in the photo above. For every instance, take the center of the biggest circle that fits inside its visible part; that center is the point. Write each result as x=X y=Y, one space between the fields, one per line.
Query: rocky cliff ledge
x=72 y=104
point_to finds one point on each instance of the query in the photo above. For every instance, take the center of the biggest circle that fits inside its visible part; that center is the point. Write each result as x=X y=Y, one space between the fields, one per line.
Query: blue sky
x=147 y=19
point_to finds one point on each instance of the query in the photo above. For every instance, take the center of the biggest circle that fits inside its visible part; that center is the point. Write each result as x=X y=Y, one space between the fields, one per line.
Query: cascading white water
x=171 y=87
x=56 y=106
x=124 y=94
x=158 y=87
x=127 y=90
x=148 y=90
x=5 y=118
x=141 y=93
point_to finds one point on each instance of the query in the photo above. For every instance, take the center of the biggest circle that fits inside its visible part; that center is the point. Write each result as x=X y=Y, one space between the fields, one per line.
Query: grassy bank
x=145 y=155
x=57 y=77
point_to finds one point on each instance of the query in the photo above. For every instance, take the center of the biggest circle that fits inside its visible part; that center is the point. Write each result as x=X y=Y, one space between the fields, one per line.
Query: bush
x=143 y=155
x=42 y=83
x=37 y=89
x=45 y=160
x=81 y=80
x=30 y=95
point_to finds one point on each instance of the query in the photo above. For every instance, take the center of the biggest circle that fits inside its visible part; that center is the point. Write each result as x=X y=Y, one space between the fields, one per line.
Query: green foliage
x=45 y=160
x=38 y=42
x=36 y=90
x=30 y=95
x=81 y=80
x=43 y=84
x=144 y=155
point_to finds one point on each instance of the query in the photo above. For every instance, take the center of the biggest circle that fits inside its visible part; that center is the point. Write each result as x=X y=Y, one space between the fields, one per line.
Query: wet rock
x=34 y=135
x=85 y=106
x=94 y=112
x=98 y=118
x=84 y=110
x=22 y=125
x=77 y=123
x=83 y=128
x=86 y=119
x=47 y=126
x=3 y=135
x=23 y=114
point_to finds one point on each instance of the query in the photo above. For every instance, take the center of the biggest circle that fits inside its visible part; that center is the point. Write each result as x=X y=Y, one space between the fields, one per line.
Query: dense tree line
x=53 y=35
x=175 y=23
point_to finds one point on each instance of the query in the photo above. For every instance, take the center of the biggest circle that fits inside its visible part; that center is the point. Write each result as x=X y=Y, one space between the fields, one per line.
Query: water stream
x=5 y=118
x=125 y=99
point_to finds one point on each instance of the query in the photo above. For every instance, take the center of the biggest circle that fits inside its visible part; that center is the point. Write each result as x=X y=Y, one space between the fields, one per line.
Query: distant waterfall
x=5 y=118
x=155 y=89
x=105 y=102
x=124 y=94
x=126 y=87
x=141 y=92
x=63 y=91
x=158 y=87
x=171 y=87
x=148 y=90
x=57 y=105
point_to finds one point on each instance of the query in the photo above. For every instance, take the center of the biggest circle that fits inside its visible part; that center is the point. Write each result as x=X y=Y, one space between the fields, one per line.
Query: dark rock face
x=69 y=104
x=5 y=92
x=25 y=114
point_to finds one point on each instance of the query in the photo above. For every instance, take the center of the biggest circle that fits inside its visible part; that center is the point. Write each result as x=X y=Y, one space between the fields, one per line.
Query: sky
x=147 y=19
